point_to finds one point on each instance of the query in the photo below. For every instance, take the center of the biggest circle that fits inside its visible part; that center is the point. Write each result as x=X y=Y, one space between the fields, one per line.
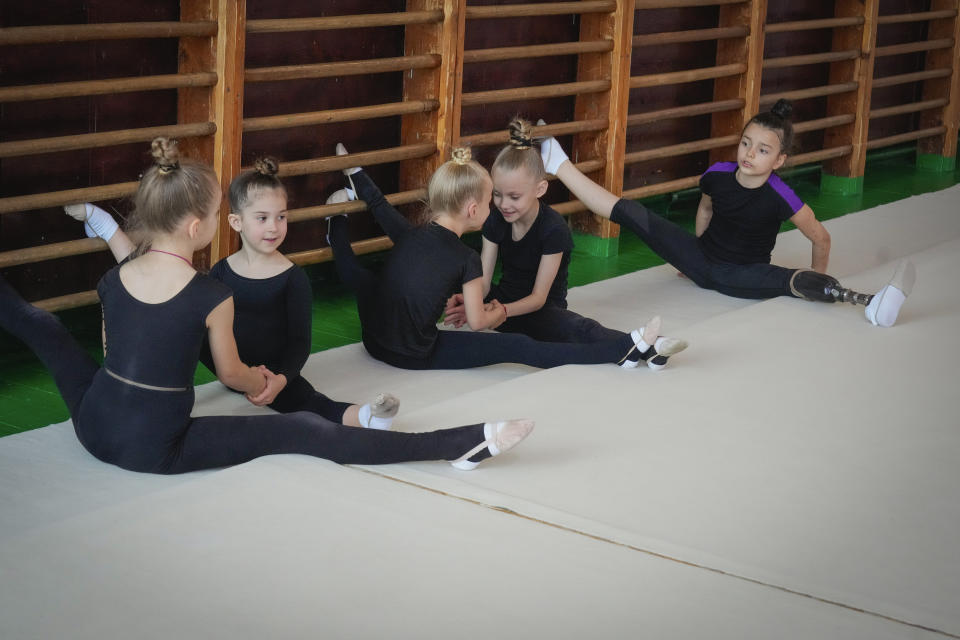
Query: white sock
x=370 y=421
x=552 y=155
x=99 y=223
x=885 y=306
x=637 y=335
x=379 y=413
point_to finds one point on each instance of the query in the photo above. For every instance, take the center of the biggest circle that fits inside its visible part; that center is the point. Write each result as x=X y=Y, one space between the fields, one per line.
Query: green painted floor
x=29 y=399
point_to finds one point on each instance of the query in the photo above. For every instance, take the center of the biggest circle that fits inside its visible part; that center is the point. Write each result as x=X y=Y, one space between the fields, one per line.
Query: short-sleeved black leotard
x=520 y=259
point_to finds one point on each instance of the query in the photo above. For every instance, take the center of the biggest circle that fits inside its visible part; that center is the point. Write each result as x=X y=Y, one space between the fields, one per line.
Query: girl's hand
x=453 y=303
x=274 y=385
x=455 y=312
x=496 y=307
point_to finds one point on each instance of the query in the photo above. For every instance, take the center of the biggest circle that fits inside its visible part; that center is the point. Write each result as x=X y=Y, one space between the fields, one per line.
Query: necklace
x=170 y=253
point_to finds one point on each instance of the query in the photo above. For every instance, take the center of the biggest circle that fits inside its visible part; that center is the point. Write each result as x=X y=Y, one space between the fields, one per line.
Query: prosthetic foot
x=820 y=287
x=883 y=309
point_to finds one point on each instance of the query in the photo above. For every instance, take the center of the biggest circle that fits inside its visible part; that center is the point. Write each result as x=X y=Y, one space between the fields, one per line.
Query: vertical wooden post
x=223 y=104
x=940 y=153
x=445 y=40
x=746 y=86
x=609 y=144
x=844 y=175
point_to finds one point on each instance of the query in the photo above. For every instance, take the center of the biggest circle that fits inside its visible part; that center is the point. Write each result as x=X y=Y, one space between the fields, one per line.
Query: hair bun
x=521 y=135
x=783 y=109
x=267 y=165
x=166 y=154
x=461 y=155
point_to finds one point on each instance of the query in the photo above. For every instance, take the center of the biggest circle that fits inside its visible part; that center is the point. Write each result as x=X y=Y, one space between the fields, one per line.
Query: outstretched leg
x=882 y=308
x=222 y=441
x=389 y=219
x=72 y=368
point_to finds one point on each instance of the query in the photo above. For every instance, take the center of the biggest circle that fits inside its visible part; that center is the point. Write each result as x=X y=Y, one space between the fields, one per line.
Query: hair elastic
x=518 y=141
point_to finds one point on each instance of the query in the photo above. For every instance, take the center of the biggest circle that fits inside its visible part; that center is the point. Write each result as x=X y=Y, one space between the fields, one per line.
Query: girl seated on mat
x=399 y=309
x=134 y=412
x=272 y=298
x=534 y=243
x=739 y=216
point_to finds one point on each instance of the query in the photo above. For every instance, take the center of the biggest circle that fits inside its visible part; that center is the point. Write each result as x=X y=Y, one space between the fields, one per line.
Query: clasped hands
x=274 y=384
x=456 y=312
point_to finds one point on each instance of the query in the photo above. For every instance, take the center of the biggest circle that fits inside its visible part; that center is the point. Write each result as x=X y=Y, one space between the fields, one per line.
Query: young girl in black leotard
x=135 y=411
x=740 y=213
x=534 y=244
x=428 y=264
x=271 y=296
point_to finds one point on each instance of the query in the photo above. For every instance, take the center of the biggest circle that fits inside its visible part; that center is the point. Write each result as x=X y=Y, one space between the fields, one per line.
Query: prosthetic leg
x=820 y=287
x=882 y=308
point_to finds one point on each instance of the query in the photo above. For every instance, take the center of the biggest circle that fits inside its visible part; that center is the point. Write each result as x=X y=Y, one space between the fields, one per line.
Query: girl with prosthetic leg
x=533 y=243
x=739 y=216
x=399 y=309
x=271 y=295
x=134 y=411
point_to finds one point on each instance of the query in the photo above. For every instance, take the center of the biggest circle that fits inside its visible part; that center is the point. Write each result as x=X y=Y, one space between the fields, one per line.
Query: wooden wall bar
x=645 y=94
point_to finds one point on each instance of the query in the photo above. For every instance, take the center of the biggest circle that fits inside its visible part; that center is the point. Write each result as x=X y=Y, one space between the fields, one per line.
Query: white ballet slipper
x=342 y=195
x=643 y=339
x=663 y=348
x=342 y=151
x=499 y=438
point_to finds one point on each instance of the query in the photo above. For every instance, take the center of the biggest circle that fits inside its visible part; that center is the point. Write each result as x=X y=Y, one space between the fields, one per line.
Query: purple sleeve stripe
x=785 y=192
x=727 y=167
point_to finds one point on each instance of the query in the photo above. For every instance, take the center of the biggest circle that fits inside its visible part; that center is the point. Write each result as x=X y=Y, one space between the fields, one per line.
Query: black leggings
x=757 y=281
x=551 y=323
x=452 y=349
x=299 y=395
x=152 y=431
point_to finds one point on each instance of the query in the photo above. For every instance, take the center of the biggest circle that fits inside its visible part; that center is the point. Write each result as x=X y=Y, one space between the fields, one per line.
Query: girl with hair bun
x=742 y=206
x=428 y=264
x=533 y=243
x=134 y=411
x=272 y=300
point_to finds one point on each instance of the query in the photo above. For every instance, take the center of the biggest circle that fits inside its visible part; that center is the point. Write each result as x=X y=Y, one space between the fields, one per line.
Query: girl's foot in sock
x=650 y=331
x=498 y=438
x=885 y=305
x=379 y=414
x=551 y=152
x=338 y=197
x=663 y=348
x=97 y=223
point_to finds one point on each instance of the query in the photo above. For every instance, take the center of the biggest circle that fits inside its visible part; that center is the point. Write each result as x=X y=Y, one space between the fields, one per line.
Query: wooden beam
x=744 y=86
x=861 y=37
x=946 y=87
x=439 y=127
x=608 y=144
x=222 y=105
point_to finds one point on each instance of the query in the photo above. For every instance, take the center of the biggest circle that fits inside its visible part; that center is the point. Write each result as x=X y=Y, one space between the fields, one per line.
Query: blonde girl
x=533 y=244
x=134 y=412
x=399 y=309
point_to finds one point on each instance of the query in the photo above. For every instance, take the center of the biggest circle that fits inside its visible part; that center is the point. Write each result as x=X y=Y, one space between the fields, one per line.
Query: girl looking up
x=134 y=412
x=740 y=212
x=534 y=243
x=428 y=264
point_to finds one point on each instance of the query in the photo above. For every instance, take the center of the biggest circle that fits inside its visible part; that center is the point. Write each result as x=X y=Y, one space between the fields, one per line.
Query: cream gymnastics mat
x=794 y=466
